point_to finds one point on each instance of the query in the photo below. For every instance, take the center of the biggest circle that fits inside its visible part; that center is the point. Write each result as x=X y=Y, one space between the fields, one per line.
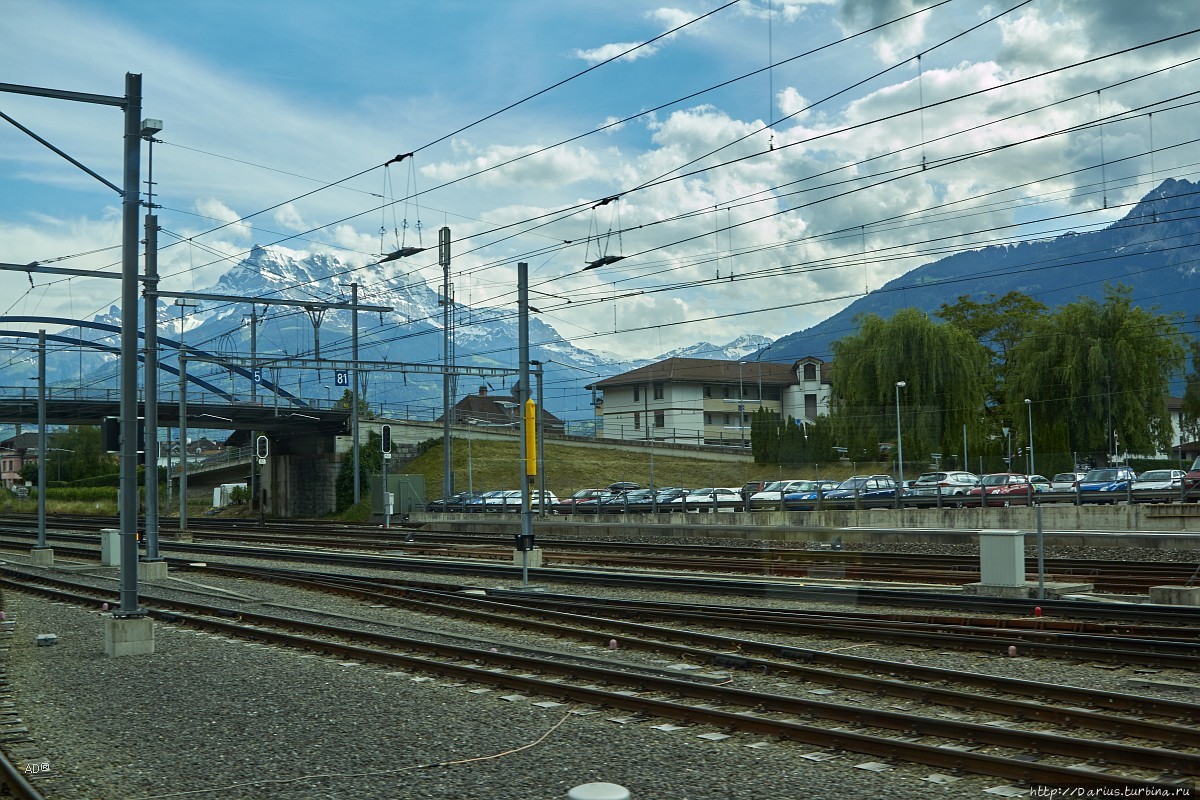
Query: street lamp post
x=1029 y=409
x=899 y=440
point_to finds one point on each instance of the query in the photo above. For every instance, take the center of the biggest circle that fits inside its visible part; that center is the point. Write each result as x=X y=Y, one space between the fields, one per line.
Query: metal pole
x=183 y=454
x=1041 y=556
x=900 y=385
x=150 y=360
x=387 y=508
x=129 y=345
x=1029 y=408
x=541 y=435
x=522 y=396
x=42 y=451
x=444 y=259
x=354 y=388
x=966 y=463
x=254 y=498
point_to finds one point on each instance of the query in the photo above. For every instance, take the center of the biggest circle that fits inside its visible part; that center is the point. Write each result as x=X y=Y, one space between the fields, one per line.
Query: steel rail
x=1174 y=762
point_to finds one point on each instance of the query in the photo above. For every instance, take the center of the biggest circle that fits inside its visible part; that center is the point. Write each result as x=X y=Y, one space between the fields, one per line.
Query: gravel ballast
x=209 y=717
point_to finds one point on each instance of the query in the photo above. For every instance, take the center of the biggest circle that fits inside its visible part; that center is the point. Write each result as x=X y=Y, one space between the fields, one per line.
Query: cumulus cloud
x=286 y=216
x=606 y=52
x=214 y=209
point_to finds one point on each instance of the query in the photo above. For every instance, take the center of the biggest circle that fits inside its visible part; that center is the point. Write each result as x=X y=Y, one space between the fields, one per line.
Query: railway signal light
x=387 y=441
x=261 y=447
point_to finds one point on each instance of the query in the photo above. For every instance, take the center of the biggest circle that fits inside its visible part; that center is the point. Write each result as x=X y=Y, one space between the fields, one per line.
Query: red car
x=1003 y=489
x=590 y=497
x=1191 y=482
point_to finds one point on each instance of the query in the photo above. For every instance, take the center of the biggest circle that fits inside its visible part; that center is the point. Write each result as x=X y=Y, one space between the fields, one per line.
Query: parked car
x=1159 y=479
x=771 y=494
x=635 y=500
x=623 y=486
x=457 y=502
x=863 y=487
x=807 y=498
x=1041 y=483
x=479 y=502
x=505 y=500
x=1191 y=481
x=567 y=504
x=700 y=500
x=1006 y=488
x=665 y=496
x=549 y=499
x=1106 y=485
x=947 y=484
x=1065 y=481
x=753 y=487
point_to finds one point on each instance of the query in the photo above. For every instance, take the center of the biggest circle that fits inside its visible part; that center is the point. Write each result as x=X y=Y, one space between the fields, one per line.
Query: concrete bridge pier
x=300 y=475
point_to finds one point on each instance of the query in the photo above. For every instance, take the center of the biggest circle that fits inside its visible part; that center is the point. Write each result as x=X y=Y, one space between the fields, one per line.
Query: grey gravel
x=224 y=719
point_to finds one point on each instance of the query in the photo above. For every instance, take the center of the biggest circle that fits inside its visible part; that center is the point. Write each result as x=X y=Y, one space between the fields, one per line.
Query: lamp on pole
x=1007 y=448
x=1029 y=409
x=899 y=438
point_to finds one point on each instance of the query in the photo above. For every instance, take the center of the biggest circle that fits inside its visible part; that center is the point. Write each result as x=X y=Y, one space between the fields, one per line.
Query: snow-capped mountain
x=410 y=333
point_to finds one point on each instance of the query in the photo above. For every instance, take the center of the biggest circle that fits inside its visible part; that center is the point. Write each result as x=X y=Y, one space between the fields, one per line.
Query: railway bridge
x=299 y=474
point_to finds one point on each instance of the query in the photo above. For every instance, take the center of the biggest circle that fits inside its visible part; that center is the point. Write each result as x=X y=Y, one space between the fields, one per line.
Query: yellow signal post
x=530 y=438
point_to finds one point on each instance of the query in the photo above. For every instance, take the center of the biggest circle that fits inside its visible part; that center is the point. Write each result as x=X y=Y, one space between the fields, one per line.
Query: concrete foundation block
x=152 y=570
x=1175 y=595
x=128 y=636
x=182 y=536
x=45 y=639
x=996 y=590
x=533 y=558
x=41 y=556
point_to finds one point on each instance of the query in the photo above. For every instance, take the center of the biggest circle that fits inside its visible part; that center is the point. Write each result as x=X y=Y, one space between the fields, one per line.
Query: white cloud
x=286 y=216
x=605 y=52
x=216 y=210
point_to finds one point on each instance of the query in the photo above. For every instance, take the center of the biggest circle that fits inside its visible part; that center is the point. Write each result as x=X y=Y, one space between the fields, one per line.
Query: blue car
x=1107 y=485
x=860 y=487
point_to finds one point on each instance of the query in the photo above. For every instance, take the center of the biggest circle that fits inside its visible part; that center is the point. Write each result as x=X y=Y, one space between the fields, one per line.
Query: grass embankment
x=496 y=465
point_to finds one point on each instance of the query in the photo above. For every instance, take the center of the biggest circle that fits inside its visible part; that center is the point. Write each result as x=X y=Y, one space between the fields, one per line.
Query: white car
x=702 y=500
x=1065 y=481
x=1161 y=479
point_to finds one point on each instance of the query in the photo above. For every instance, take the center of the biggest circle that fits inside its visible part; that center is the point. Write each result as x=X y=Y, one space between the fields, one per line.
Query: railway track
x=1163 y=754
x=1116 y=576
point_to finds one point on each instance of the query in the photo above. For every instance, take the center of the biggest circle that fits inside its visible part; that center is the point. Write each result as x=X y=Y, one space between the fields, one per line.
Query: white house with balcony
x=709 y=401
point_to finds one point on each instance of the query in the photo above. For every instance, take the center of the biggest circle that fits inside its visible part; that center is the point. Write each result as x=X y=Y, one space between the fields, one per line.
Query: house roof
x=22 y=441
x=714 y=370
x=495 y=410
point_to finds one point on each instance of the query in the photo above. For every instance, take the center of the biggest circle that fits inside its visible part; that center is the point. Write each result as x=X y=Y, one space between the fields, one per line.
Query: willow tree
x=1101 y=370
x=946 y=372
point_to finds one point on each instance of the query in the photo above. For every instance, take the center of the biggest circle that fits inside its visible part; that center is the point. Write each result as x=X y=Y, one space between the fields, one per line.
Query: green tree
x=1190 y=411
x=77 y=453
x=997 y=323
x=370 y=462
x=1092 y=362
x=346 y=401
x=946 y=375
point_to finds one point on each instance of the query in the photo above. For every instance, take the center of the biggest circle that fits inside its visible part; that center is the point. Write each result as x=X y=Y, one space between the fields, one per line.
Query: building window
x=810 y=372
x=660 y=419
x=637 y=394
x=637 y=419
x=725 y=392
x=708 y=419
x=810 y=406
x=726 y=419
x=708 y=391
x=658 y=391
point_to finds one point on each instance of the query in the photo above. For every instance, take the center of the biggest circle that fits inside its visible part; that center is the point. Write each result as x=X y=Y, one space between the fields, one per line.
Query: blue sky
x=263 y=102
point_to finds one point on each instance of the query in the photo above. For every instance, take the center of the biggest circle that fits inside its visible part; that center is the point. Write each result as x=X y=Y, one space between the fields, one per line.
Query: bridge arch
x=104 y=326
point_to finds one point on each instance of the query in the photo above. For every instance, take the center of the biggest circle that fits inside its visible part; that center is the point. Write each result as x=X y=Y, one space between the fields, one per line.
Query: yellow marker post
x=530 y=438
